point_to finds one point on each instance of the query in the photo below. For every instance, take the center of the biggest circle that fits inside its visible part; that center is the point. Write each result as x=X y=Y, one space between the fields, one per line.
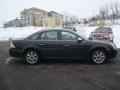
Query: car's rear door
x=49 y=44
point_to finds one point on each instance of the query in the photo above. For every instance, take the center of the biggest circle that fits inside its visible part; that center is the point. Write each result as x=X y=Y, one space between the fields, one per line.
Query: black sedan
x=62 y=44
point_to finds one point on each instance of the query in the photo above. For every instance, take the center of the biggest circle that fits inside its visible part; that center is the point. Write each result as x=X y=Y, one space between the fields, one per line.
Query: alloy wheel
x=32 y=57
x=98 y=57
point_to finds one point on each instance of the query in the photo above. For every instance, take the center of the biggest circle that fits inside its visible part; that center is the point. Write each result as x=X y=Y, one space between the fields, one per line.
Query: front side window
x=50 y=35
x=68 y=36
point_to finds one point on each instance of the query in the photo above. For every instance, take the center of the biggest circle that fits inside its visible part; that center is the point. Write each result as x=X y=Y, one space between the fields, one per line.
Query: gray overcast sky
x=10 y=9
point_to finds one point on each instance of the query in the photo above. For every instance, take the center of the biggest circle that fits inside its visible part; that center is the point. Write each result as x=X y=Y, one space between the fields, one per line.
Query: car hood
x=102 y=42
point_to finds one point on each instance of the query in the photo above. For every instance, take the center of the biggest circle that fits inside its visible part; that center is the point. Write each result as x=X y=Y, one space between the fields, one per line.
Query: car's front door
x=71 y=47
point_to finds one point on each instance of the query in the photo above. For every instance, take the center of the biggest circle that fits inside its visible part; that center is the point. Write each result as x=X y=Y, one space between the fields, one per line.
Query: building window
x=50 y=14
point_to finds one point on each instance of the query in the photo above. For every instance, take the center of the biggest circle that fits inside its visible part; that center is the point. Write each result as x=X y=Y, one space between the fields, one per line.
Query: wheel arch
x=98 y=48
x=32 y=48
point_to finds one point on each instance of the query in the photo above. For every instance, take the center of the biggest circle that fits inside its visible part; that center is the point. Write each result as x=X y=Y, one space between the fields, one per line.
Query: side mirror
x=90 y=38
x=110 y=32
x=79 y=40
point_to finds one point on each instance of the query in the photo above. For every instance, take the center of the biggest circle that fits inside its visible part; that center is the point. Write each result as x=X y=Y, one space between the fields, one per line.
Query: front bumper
x=101 y=38
x=113 y=53
x=16 y=52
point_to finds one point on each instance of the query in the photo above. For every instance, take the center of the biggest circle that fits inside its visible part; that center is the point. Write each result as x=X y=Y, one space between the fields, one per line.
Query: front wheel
x=31 y=57
x=99 y=57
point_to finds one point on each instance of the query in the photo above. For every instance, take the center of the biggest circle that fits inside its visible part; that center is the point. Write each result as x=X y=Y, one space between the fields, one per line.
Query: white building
x=13 y=23
x=29 y=16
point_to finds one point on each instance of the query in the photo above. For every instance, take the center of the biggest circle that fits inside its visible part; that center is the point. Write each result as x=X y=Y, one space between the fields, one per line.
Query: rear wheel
x=99 y=56
x=32 y=57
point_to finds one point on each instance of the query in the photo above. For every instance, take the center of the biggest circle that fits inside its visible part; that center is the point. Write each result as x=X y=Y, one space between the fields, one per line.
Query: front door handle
x=66 y=45
x=41 y=44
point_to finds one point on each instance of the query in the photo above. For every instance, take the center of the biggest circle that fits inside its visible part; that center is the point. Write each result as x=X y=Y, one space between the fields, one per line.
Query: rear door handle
x=66 y=45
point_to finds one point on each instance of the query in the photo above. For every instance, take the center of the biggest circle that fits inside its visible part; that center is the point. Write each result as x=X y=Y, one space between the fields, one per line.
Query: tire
x=31 y=57
x=99 y=56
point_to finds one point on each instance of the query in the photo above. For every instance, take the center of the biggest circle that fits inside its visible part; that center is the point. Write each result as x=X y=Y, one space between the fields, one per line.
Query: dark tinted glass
x=50 y=35
x=103 y=30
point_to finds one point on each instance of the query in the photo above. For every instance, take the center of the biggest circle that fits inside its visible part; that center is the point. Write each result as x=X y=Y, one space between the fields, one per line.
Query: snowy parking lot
x=56 y=74
x=7 y=33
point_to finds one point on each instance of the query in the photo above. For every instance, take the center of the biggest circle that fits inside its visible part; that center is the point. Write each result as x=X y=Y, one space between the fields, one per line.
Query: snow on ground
x=85 y=31
x=18 y=33
x=14 y=33
x=116 y=32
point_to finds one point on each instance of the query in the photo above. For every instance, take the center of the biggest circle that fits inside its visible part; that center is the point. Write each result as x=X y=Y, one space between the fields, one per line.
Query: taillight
x=11 y=44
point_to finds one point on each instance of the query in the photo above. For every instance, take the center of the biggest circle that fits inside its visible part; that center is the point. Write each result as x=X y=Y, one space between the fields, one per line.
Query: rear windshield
x=103 y=30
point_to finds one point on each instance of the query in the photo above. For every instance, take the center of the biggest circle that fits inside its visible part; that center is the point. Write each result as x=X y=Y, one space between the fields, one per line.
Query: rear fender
x=33 y=48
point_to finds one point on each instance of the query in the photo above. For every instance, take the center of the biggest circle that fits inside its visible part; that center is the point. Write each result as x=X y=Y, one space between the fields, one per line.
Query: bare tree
x=106 y=9
x=117 y=10
x=69 y=19
x=102 y=13
x=112 y=16
x=65 y=19
x=73 y=19
x=110 y=11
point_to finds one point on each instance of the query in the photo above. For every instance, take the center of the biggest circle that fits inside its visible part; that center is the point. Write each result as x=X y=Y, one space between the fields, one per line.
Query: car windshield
x=105 y=30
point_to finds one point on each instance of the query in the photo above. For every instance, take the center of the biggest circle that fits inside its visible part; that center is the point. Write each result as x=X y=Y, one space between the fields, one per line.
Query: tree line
x=108 y=12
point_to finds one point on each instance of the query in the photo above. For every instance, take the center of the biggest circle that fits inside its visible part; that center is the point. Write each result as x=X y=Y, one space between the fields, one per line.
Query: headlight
x=114 y=46
x=106 y=36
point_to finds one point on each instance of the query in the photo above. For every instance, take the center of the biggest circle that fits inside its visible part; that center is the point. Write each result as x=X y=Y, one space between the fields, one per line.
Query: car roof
x=55 y=30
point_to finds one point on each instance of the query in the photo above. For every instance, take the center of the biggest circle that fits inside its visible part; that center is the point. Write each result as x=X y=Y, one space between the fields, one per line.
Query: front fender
x=106 y=49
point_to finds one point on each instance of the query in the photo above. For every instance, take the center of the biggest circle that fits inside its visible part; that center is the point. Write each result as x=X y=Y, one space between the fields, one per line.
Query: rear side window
x=34 y=37
x=49 y=35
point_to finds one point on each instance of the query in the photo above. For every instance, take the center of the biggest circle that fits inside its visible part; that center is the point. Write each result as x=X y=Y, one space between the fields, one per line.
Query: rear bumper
x=16 y=52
